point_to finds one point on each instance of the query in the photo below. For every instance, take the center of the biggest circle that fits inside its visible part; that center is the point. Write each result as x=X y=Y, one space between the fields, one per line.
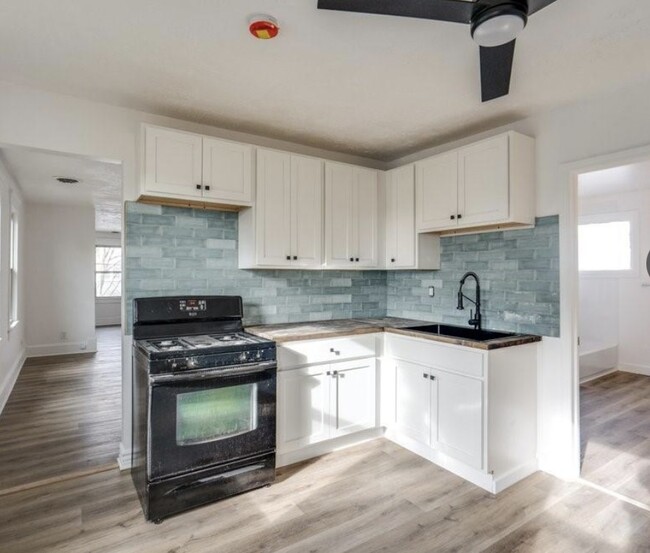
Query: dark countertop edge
x=359 y=326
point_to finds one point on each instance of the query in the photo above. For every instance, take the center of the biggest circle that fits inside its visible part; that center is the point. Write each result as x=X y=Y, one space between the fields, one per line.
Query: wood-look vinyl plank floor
x=615 y=434
x=374 y=497
x=63 y=416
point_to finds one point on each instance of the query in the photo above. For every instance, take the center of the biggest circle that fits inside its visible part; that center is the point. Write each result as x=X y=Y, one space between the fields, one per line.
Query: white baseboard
x=10 y=380
x=64 y=348
x=598 y=375
x=124 y=458
x=515 y=475
x=109 y=321
x=636 y=369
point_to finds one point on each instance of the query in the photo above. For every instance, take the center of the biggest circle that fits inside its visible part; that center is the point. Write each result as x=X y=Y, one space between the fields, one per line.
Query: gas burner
x=168 y=345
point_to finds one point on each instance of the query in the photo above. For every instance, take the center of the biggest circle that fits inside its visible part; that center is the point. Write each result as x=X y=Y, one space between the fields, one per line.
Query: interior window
x=605 y=246
x=13 y=269
x=108 y=272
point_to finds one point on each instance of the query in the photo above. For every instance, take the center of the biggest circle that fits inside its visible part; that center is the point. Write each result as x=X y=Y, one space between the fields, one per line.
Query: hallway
x=63 y=418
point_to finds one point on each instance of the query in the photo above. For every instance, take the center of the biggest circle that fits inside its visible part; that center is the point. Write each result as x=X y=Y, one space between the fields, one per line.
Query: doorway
x=613 y=361
x=62 y=418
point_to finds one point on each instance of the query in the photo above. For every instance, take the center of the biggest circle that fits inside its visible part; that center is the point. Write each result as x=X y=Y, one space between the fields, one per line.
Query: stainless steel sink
x=462 y=332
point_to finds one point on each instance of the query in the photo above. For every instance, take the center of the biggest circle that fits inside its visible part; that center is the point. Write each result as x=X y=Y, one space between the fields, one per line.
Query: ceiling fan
x=494 y=26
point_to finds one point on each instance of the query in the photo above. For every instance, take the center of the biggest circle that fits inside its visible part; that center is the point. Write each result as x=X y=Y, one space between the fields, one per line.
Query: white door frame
x=569 y=280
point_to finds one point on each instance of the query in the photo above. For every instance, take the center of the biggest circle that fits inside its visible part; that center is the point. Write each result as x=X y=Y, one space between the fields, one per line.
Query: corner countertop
x=314 y=330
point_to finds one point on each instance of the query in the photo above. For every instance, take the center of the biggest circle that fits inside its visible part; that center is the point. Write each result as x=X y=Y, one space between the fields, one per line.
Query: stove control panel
x=192 y=305
x=228 y=359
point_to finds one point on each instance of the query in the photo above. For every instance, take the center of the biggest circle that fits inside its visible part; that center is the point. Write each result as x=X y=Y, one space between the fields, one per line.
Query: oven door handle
x=212 y=374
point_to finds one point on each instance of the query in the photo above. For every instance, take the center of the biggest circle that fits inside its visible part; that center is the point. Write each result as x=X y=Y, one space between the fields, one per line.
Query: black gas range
x=204 y=398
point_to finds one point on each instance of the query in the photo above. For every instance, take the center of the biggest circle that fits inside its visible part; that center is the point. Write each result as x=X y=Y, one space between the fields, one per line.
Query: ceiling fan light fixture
x=498 y=26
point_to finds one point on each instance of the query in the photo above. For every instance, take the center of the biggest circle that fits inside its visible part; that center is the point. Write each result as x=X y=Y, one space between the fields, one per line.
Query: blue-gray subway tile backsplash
x=171 y=250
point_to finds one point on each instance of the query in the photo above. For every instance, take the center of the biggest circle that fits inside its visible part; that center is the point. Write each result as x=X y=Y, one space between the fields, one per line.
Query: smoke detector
x=263 y=26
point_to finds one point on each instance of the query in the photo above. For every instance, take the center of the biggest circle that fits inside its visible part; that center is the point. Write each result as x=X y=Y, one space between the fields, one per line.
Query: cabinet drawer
x=425 y=352
x=296 y=354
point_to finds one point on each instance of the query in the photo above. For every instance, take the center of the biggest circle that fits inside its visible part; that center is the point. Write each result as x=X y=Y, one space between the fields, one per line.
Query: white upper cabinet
x=273 y=208
x=306 y=211
x=227 y=170
x=172 y=162
x=181 y=166
x=437 y=191
x=406 y=249
x=483 y=182
x=483 y=186
x=351 y=216
x=284 y=229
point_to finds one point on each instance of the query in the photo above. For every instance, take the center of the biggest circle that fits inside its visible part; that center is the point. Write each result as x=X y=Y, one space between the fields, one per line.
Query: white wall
x=12 y=345
x=108 y=311
x=591 y=128
x=59 y=279
x=617 y=310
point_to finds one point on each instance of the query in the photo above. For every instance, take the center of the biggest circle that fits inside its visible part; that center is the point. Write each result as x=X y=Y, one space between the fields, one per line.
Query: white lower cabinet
x=470 y=411
x=325 y=401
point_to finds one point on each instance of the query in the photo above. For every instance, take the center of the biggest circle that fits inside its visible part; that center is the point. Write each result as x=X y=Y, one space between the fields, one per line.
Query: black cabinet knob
x=207 y=187
x=198 y=187
x=452 y=217
x=357 y=259
x=295 y=257
x=288 y=258
x=352 y=259
x=460 y=216
x=392 y=260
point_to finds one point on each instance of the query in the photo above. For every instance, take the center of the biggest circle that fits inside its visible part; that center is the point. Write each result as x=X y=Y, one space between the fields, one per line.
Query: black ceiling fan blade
x=496 y=69
x=536 y=5
x=456 y=11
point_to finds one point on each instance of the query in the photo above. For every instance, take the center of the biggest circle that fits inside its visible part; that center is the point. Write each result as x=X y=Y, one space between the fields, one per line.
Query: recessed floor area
x=375 y=497
x=615 y=434
x=63 y=417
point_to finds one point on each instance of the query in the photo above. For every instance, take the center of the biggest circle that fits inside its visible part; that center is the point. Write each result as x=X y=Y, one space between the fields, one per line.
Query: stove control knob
x=258 y=355
x=242 y=357
x=192 y=363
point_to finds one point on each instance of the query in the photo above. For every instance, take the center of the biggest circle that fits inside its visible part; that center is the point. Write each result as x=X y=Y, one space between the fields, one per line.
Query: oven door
x=210 y=416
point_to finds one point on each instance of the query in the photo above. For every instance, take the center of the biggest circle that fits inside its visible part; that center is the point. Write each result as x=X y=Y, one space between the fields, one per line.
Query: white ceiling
x=100 y=182
x=366 y=84
x=617 y=180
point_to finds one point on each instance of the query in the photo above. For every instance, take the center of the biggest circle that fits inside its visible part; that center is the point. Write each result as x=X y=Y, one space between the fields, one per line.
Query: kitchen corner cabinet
x=484 y=186
x=186 y=168
x=406 y=249
x=284 y=228
x=472 y=412
x=351 y=217
x=325 y=401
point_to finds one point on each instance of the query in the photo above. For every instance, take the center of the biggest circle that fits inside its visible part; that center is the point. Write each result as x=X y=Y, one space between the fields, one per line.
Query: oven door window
x=210 y=415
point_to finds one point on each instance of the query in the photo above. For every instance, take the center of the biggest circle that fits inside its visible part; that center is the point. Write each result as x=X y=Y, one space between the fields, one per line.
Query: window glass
x=108 y=272
x=13 y=269
x=605 y=246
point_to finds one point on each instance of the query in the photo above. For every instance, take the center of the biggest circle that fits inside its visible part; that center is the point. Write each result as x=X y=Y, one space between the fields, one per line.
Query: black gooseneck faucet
x=474 y=320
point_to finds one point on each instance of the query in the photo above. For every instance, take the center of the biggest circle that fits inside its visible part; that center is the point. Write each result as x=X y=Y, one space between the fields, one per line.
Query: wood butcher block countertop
x=313 y=330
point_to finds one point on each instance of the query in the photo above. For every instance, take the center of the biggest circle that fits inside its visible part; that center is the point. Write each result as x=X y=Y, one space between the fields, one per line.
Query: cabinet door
x=306 y=211
x=273 y=208
x=227 y=171
x=400 y=218
x=172 y=162
x=303 y=407
x=339 y=182
x=483 y=182
x=355 y=398
x=458 y=413
x=364 y=222
x=436 y=193
x=412 y=401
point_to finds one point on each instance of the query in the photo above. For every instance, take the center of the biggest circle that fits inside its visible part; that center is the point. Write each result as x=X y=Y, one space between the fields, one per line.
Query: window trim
x=631 y=217
x=108 y=299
